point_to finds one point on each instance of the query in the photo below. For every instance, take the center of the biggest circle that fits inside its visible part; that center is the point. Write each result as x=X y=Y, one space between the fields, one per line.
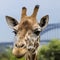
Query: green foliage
x=50 y=51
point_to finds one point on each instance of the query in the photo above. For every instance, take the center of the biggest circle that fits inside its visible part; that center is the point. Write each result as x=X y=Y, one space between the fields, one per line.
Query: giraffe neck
x=33 y=47
x=30 y=56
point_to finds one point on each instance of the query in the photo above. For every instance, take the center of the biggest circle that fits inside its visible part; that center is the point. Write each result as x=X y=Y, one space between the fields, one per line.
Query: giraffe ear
x=44 y=21
x=11 y=21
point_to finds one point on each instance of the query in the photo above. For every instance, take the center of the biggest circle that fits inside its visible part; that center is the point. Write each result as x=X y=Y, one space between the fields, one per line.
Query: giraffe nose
x=20 y=45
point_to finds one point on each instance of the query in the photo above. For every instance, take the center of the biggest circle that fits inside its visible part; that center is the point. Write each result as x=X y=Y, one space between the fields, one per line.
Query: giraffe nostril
x=22 y=45
x=16 y=45
x=19 y=46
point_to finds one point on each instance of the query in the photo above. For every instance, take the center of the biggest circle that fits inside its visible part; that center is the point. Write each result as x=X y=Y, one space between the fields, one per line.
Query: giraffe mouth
x=20 y=56
x=19 y=52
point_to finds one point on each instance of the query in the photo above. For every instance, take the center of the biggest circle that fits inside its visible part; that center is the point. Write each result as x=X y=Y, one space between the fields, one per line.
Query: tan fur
x=27 y=38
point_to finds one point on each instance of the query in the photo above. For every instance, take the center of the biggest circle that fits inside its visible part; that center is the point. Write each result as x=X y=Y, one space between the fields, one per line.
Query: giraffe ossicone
x=27 y=33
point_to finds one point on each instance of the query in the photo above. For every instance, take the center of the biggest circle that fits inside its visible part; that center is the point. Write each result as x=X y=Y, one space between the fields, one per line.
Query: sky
x=13 y=8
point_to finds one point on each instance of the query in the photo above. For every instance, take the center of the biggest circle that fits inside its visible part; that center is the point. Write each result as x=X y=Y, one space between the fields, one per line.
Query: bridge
x=50 y=27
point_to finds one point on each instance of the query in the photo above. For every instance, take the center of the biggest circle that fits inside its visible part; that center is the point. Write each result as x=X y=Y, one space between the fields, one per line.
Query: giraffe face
x=26 y=31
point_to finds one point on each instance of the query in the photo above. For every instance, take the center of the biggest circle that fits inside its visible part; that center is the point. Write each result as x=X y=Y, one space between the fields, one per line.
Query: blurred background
x=13 y=8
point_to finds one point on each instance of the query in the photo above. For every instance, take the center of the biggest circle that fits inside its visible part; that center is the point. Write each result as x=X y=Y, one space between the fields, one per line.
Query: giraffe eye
x=15 y=32
x=37 y=31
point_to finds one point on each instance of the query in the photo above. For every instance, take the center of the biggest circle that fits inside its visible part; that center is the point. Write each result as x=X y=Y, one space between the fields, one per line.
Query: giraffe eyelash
x=15 y=32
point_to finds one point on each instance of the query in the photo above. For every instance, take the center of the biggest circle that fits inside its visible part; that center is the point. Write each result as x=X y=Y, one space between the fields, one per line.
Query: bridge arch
x=50 y=27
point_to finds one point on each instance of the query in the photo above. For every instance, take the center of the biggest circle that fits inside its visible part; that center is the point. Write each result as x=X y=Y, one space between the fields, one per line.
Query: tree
x=50 y=51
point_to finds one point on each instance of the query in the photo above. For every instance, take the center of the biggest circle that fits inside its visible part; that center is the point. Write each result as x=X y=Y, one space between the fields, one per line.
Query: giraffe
x=27 y=33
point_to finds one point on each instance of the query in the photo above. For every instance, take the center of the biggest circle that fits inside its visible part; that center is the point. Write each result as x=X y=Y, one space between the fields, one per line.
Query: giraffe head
x=27 y=30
